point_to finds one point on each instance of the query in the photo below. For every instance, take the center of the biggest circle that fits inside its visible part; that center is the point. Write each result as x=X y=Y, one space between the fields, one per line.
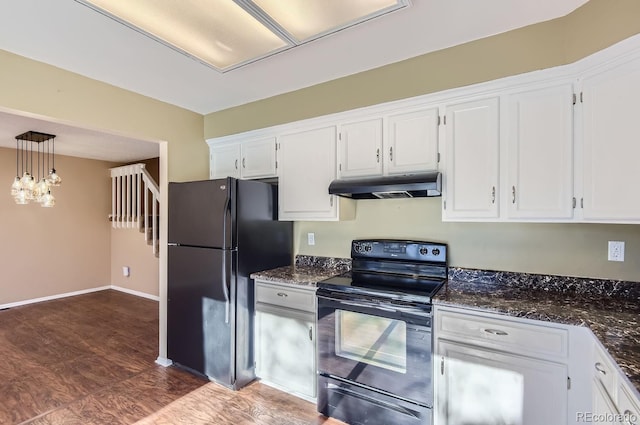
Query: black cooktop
x=386 y=286
x=401 y=271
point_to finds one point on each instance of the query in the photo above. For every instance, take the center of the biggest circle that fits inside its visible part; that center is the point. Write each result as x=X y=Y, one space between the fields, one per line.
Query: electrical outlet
x=616 y=251
x=311 y=238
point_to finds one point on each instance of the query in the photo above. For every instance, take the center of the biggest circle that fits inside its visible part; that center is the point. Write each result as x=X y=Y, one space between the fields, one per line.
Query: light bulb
x=53 y=178
x=41 y=190
x=15 y=187
x=48 y=200
x=21 y=198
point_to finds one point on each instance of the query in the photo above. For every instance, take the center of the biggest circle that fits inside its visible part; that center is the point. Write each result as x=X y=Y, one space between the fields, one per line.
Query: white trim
x=163 y=361
x=82 y=292
x=620 y=52
x=136 y=293
x=53 y=297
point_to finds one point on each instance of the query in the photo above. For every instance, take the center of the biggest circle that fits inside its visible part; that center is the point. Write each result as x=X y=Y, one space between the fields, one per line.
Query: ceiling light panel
x=309 y=19
x=217 y=32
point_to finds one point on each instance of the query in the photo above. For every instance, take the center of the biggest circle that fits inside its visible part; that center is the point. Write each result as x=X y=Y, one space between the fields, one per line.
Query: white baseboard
x=163 y=361
x=53 y=297
x=84 y=291
x=136 y=293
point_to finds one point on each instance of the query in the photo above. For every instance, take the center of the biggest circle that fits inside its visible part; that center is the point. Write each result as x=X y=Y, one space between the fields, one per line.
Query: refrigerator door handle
x=225 y=287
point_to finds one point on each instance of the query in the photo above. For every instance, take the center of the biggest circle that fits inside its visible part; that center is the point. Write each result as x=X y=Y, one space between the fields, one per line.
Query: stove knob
x=367 y=248
x=435 y=251
x=357 y=248
x=424 y=251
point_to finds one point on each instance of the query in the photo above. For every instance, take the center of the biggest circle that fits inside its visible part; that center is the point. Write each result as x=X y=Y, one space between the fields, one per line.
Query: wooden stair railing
x=135 y=202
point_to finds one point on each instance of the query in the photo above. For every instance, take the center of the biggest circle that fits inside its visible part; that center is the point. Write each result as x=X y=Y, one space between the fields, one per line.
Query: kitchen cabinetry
x=308 y=165
x=246 y=160
x=470 y=179
x=610 y=151
x=539 y=153
x=613 y=398
x=400 y=143
x=489 y=369
x=285 y=345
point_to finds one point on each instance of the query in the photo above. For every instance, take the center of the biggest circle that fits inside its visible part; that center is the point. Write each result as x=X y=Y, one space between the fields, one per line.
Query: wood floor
x=89 y=359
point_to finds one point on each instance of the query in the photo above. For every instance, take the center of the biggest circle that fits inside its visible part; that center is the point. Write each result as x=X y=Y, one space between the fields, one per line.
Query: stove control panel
x=400 y=250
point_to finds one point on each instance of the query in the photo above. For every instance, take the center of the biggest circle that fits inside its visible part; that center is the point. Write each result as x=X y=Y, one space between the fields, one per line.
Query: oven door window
x=375 y=347
x=378 y=341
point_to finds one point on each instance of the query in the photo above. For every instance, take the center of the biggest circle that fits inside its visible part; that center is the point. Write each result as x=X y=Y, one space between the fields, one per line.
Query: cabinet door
x=224 y=161
x=259 y=158
x=307 y=166
x=482 y=386
x=610 y=147
x=471 y=160
x=360 y=149
x=603 y=407
x=540 y=154
x=285 y=351
x=412 y=142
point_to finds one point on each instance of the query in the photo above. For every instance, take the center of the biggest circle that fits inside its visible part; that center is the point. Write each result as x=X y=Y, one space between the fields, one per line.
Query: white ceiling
x=69 y=35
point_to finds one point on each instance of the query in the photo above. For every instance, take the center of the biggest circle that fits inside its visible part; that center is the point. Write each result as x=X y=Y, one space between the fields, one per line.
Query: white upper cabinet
x=539 y=154
x=252 y=159
x=224 y=161
x=402 y=143
x=308 y=165
x=412 y=142
x=610 y=146
x=471 y=156
x=360 y=148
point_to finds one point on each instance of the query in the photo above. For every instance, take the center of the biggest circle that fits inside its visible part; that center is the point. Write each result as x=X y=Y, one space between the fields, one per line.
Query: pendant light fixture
x=32 y=185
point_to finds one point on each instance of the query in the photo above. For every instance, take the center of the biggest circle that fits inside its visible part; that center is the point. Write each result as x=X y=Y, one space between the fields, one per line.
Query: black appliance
x=220 y=231
x=405 y=186
x=374 y=333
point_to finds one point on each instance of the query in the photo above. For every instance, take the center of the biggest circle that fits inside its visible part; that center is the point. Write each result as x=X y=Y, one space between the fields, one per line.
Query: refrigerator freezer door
x=201 y=311
x=200 y=213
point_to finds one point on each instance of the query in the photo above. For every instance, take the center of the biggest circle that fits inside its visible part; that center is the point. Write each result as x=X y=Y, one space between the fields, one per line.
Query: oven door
x=376 y=344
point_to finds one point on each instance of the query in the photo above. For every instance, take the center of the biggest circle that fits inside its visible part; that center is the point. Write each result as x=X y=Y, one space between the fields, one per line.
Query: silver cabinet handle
x=628 y=415
x=236 y=164
x=282 y=294
x=599 y=368
x=331 y=200
x=513 y=194
x=493 y=194
x=391 y=153
x=243 y=162
x=378 y=155
x=495 y=332
x=310 y=333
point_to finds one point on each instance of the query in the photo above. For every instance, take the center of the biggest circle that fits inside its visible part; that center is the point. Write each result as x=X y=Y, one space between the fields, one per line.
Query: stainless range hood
x=411 y=186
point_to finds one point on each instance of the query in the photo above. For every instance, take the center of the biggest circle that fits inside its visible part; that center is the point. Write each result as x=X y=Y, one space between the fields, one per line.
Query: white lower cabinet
x=614 y=401
x=485 y=386
x=491 y=369
x=285 y=338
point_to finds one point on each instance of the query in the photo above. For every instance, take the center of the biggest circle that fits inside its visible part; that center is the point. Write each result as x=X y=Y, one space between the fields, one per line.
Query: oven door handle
x=379 y=306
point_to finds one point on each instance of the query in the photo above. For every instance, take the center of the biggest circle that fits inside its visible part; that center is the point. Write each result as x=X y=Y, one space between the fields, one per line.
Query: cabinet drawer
x=505 y=335
x=604 y=371
x=628 y=406
x=284 y=296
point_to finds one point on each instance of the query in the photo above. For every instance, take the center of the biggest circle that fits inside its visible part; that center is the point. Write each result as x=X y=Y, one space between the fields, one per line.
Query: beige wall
x=565 y=249
x=129 y=248
x=32 y=87
x=49 y=251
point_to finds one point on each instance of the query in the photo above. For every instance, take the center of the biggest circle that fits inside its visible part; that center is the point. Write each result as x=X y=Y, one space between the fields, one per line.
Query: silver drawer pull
x=282 y=294
x=629 y=416
x=600 y=369
x=495 y=332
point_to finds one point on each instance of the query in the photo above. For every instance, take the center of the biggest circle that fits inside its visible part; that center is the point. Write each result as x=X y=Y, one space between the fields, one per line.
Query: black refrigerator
x=220 y=231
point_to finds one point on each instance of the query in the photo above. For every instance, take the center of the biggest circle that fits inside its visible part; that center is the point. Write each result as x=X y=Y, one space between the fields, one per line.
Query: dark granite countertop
x=307 y=270
x=610 y=309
